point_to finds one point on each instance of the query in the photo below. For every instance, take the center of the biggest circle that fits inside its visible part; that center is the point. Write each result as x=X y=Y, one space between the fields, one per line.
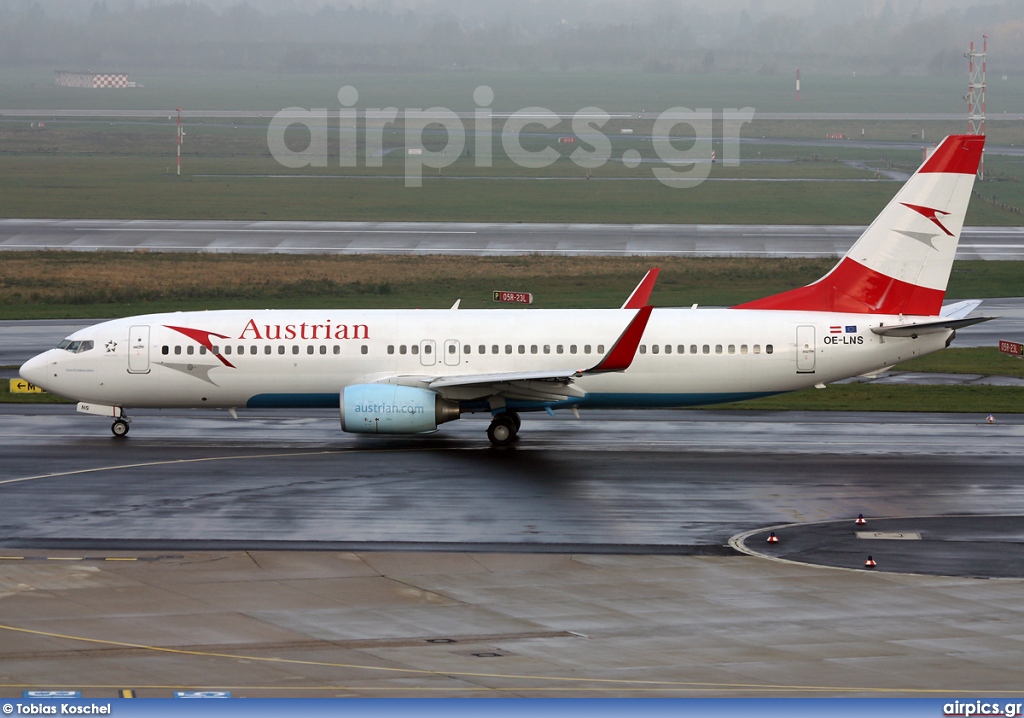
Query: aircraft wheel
x=502 y=430
x=515 y=419
x=120 y=428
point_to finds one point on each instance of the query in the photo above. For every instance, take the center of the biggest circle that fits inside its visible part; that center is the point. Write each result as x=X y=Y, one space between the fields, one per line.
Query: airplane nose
x=34 y=370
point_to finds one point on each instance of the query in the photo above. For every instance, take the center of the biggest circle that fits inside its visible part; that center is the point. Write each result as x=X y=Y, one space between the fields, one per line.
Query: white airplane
x=407 y=371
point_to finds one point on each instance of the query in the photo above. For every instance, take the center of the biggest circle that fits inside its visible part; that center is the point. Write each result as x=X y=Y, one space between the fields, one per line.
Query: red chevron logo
x=929 y=213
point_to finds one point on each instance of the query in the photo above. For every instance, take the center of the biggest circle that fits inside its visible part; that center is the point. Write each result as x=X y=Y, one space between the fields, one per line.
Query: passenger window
x=654 y=349
x=494 y=349
x=718 y=348
x=364 y=349
x=586 y=348
x=706 y=348
x=202 y=350
x=309 y=348
x=337 y=349
x=668 y=348
x=295 y=349
x=241 y=350
x=768 y=349
x=559 y=349
x=522 y=349
x=177 y=350
x=451 y=349
x=600 y=348
x=280 y=349
x=401 y=349
x=227 y=350
x=732 y=348
x=391 y=348
x=190 y=350
x=415 y=349
x=323 y=348
x=427 y=349
x=165 y=350
x=643 y=348
x=743 y=348
x=757 y=348
x=482 y=349
x=547 y=348
x=253 y=349
x=693 y=349
x=508 y=348
x=572 y=348
x=268 y=349
x=467 y=348
x=681 y=349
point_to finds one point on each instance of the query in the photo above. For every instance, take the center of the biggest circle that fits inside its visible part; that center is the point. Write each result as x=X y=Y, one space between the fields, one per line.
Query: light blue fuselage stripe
x=591 y=401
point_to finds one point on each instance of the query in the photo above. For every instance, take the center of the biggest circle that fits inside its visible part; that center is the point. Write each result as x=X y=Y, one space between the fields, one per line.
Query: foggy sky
x=914 y=37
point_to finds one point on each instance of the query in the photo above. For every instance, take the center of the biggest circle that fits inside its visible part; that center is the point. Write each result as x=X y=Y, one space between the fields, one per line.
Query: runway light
x=772 y=538
x=870 y=563
x=991 y=419
x=860 y=520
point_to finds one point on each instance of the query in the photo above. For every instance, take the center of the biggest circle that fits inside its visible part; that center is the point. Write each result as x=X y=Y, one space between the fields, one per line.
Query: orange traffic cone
x=860 y=520
x=772 y=538
x=870 y=563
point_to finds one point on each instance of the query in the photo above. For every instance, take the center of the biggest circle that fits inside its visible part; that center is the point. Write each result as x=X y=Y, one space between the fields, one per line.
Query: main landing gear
x=120 y=427
x=504 y=428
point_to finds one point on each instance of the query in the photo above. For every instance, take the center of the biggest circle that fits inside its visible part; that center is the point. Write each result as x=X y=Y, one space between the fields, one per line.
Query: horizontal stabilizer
x=960 y=309
x=916 y=330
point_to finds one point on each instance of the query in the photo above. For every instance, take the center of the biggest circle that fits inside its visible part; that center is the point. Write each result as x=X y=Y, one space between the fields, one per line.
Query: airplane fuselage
x=300 y=359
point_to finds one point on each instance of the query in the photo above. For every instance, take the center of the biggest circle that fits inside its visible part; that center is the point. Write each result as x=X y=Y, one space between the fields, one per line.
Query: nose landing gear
x=504 y=428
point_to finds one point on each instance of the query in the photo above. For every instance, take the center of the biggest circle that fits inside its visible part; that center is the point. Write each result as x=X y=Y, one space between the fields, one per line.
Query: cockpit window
x=76 y=347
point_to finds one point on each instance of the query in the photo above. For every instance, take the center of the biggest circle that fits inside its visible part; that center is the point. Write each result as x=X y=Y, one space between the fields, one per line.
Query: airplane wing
x=642 y=294
x=543 y=385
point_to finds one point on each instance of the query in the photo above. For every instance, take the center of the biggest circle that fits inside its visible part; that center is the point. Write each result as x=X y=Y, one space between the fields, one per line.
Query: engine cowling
x=393 y=409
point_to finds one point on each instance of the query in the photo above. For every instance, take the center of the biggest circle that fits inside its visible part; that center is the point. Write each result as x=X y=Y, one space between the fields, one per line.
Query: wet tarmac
x=275 y=556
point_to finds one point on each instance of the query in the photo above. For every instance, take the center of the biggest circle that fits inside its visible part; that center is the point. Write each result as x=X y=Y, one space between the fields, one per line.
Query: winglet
x=622 y=353
x=642 y=294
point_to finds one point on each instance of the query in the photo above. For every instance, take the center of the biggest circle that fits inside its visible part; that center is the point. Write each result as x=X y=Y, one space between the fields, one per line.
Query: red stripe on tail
x=852 y=287
x=960 y=154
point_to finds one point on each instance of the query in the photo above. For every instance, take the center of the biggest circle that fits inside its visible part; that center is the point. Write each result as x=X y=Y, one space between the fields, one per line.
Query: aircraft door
x=805 y=349
x=138 y=350
x=452 y=353
x=427 y=357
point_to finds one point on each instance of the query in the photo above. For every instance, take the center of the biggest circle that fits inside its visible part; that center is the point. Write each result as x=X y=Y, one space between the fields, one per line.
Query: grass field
x=112 y=284
x=561 y=91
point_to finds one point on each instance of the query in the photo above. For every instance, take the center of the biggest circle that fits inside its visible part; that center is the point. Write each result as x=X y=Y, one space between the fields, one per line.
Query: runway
x=275 y=556
x=273 y=478
x=469 y=238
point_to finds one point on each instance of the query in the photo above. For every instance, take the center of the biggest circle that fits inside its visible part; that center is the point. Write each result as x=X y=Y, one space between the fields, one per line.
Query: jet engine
x=393 y=409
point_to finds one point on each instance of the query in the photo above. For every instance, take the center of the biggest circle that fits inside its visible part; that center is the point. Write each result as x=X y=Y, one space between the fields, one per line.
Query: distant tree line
x=657 y=36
